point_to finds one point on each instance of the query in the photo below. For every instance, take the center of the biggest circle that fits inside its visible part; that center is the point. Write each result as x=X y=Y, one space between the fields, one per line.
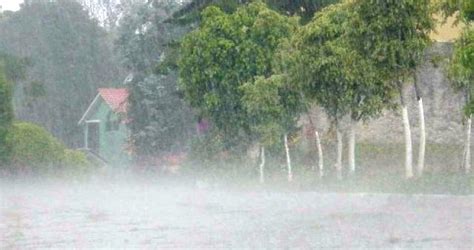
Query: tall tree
x=303 y=8
x=225 y=52
x=6 y=114
x=462 y=74
x=334 y=74
x=160 y=120
x=69 y=59
x=395 y=35
x=461 y=70
x=273 y=106
x=12 y=70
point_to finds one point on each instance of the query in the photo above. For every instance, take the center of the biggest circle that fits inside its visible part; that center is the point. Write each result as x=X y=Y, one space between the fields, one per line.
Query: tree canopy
x=330 y=69
x=224 y=53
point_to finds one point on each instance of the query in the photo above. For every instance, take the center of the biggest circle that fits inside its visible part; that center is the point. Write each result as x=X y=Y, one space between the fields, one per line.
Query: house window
x=111 y=124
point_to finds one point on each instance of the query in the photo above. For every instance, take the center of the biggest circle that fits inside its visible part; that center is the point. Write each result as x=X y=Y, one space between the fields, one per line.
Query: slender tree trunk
x=339 y=153
x=407 y=132
x=422 y=146
x=351 y=151
x=467 y=146
x=421 y=151
x=320 y=154
x=288 y=159
x=262 y=166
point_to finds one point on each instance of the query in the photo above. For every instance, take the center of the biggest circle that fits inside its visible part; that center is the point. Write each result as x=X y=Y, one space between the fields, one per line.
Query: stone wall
x=443 y=108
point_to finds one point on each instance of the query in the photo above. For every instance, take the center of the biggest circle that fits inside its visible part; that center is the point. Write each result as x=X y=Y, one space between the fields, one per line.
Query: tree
x=12 y=70
x=273 y=107
x=395 y=34
x=6 y=115
x=334 y=74
x=462 y=73
x=224 y=53
x=303 y=8
x=160 y=120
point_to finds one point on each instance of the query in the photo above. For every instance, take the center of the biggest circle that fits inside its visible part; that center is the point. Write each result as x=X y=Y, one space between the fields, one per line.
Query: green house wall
x=112 y=143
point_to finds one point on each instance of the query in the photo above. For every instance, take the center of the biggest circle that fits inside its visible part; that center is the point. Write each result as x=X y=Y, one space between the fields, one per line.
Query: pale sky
x=10 y=4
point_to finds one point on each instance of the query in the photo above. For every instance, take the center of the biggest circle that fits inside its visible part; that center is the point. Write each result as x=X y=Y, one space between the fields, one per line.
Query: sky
x=10 y=4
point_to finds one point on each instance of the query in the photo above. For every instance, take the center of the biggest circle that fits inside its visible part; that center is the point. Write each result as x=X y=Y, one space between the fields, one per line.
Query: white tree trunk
x=408 y=144
x=467 y=146
x=351 y=151
x=421 y=151
x=339 y=154
x=262 y=166
x=320 y=154
x=288 y=159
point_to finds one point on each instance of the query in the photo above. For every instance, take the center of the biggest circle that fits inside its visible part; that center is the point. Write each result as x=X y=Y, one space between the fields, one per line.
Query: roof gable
x=114 y=98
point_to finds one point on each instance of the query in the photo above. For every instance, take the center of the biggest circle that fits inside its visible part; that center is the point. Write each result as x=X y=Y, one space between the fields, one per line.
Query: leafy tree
x=395 y=35
x=160 y=120
x=6 y=116
x=303 y=8
x=461 y=70
x=464 y=7
x=333 y=73
x=224 y=53
x=273 y=107
x=69 y=58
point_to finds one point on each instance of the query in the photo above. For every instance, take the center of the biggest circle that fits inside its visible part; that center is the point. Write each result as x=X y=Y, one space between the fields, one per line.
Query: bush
x=35 y=150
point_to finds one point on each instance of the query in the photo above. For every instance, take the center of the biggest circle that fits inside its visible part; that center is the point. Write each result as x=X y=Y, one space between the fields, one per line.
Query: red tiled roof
x=115 y=98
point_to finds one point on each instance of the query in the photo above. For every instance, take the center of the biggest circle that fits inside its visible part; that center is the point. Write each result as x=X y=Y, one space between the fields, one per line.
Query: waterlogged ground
x=149 y=215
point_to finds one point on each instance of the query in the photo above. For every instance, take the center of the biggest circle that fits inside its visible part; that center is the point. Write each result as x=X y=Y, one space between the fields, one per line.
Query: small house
x=105 y=130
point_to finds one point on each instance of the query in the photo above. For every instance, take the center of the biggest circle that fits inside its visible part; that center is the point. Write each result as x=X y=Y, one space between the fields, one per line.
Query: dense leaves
x=462 y=68
x=160 y=120
x=303 y=8
x=273 y=107
x=330 y=69
x=394 y=33
x=227 y=51
x=6 y=115
x=34 y=149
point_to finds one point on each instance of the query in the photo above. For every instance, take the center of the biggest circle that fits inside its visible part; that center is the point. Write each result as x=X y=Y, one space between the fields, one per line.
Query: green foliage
x=461 y=70
x=160 y=120
x=225 y=52
x=394 y=34
x=302 y=8
x=273 y=107
x=207 y=148
x=330 y=69
x=465 y=7
x=33 y=148
x=6 y=116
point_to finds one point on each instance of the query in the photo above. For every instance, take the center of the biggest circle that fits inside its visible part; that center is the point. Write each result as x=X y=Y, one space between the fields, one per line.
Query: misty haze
x=225 y=124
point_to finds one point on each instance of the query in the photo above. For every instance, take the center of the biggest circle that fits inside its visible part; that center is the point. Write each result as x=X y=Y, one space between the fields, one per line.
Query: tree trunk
x=262 y=166
x=408 y=144
x=421 y=151
x=351 y=151
x=288 y=159
x=407 y=132
x=422 y=146
x=467 y=146
x=339 y=153
x=320 y=154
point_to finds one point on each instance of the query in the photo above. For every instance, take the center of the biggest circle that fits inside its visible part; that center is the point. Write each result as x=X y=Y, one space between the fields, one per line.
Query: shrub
x=35 y=150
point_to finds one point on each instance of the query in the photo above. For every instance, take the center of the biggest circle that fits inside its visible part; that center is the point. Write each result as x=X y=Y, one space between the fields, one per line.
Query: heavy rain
x=236 y=124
